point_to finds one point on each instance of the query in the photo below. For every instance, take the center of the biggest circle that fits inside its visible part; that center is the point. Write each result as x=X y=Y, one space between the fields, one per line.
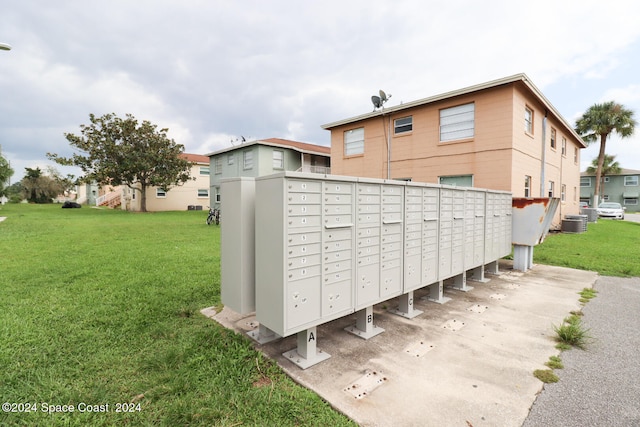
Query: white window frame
x=575 y=155
x=247 y=159
x=564 y=147
x=230 y=159
x=631 y=181
x=457 y=122
x=527 y=186
x=528 y=120
x=217 y=193
x=551 y=189
x=161 y=193
x=205 y=170
x=203 y=192
x=403 y=125
x=552 y=140
x=278 y=163
x=630 y=201
x=354 y=142
x=585 y=180
x=218 y=165
x=563 y=193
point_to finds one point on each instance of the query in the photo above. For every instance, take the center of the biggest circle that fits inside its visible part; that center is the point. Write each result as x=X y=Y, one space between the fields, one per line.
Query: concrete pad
x=428 y=371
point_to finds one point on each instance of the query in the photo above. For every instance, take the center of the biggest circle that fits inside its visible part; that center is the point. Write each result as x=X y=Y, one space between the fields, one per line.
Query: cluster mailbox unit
x=328 y=246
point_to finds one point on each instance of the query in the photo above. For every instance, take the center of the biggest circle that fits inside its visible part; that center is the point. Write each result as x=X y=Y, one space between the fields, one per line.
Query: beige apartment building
x=502 y=135
x=193 y=194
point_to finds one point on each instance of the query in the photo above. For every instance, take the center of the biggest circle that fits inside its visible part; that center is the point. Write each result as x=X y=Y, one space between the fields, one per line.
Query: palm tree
x=600 y=120
x=609 y=167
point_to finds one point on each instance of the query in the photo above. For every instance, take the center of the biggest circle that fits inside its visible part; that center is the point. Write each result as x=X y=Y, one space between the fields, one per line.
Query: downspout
x=544 y=152
x=561 y=184
x=389 y=147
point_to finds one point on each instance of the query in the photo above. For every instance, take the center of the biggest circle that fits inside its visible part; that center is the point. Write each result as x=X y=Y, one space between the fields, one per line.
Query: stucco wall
x=498 y=156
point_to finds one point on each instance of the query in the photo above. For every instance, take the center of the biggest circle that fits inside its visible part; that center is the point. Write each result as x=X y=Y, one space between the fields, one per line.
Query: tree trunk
x=143 y=198
x=596 y=194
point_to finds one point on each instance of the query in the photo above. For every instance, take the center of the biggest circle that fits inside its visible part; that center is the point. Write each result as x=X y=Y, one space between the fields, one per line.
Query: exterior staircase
x=111 y=200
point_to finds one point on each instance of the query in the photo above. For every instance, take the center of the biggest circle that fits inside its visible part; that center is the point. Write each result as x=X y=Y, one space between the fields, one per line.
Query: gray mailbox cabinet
x=304 y=251
x=327 y=246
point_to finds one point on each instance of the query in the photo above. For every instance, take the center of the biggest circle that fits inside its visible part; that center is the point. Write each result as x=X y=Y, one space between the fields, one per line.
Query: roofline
x=623 y=172
x=268 y=143
x=464 y=91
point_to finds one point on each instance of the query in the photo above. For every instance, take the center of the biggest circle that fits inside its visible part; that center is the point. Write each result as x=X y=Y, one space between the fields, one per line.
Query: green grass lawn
x=612 y=248
x=102 y=307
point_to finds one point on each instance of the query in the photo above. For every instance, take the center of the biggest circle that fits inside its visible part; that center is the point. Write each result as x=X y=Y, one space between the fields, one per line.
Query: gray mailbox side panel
x=237 y=243
x=270 y=254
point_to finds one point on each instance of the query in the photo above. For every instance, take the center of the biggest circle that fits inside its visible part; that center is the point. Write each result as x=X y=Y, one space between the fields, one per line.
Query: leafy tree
x=40 y=188
x=15 y=192
x=116 y=151
x=598 y=122
x=5 y=173
x=609 y=167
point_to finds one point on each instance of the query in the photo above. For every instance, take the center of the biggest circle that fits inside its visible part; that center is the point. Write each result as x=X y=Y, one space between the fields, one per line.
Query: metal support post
x=364 y=327
x=436 y=293
x=460 y=282
x=477 y=275
x=522 y=257
x=405 y=306
x=306 y=354
x=493 y=268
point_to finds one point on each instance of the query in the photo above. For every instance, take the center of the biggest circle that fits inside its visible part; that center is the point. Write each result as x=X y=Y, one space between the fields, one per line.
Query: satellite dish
x=377 y=102
x=5 y=46
x=383 y=96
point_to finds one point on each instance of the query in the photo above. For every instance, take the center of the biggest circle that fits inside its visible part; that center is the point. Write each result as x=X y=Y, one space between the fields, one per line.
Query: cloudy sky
x=212 y=71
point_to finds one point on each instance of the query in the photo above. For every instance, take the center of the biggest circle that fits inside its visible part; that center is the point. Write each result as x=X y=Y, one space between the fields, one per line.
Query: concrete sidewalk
x=468 y=362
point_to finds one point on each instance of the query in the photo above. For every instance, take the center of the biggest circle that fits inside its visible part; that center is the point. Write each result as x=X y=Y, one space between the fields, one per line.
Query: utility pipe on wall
x=543 y=154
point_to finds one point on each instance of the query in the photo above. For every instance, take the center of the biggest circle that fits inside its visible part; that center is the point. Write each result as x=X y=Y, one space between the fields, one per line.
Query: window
x=204 y=170
x=631 y=181
x=563 y=192
x=278 y=159
x=247 y=159
x=216 y=191
x=553 y=138
x=551 y=183
x=585 y=181
x=230 y=159
x=218 y=165
x=575 y=155
x=605 y=179
x=203 y=192
x=527 y=186
x=528 y=120
x=403 y=125
x=630 y=202
x=457 y=122
x=160 y=192
x=457 y=180
x=354 y=142
x=564 y=147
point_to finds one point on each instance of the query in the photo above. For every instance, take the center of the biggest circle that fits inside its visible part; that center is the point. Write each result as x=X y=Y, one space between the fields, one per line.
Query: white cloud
x=211 y=71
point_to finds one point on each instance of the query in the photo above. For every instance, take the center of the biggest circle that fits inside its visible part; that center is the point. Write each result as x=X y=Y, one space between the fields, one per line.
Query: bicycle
x=214 y=216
